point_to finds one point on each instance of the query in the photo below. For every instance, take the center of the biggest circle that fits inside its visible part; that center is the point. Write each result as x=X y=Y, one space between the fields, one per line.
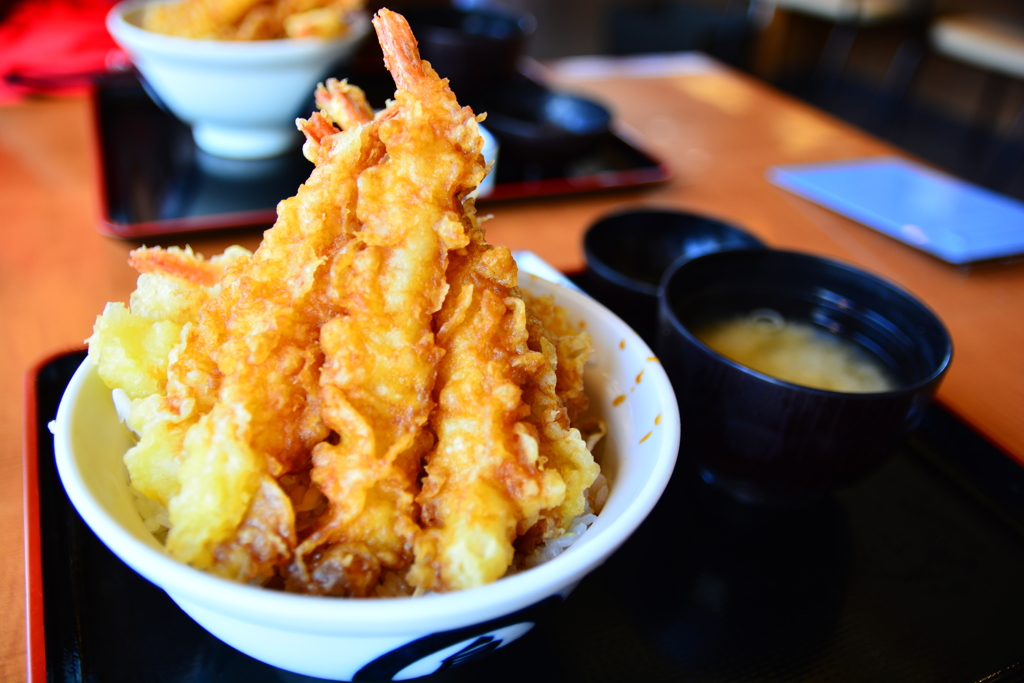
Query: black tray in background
x=904 y=577
x=153 y=180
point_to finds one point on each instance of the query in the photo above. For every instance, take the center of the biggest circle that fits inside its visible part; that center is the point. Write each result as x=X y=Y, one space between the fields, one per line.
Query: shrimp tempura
x=380 y=354
x=486 y=481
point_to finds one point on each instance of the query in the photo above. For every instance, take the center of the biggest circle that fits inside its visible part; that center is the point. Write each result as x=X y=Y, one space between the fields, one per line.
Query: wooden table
x=718 y=130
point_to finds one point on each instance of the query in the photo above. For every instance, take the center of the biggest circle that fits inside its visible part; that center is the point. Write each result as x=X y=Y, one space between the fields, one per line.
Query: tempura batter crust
x=291 y=402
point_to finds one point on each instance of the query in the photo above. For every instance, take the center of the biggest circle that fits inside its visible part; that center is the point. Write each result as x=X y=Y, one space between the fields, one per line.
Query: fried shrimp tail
x=345 y=104
x=341 y=106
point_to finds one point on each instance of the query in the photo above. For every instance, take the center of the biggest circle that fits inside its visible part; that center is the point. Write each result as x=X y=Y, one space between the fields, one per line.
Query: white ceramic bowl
x=490 y=152
x=241 y=98
x=388 y=638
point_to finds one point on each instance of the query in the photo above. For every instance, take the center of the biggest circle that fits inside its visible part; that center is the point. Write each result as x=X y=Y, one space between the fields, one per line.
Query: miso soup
x=796 y=352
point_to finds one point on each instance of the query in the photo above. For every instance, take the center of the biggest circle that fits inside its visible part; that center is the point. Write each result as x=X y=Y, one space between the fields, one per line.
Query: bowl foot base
x=244 y=143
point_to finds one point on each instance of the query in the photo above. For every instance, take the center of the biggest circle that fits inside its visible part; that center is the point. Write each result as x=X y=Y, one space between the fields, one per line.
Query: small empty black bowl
x=773 y=443
x=538 y=126
x=473 y=48
x=627 y=253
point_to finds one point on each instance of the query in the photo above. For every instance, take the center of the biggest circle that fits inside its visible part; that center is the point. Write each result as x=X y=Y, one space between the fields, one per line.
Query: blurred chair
x=848 y=18
x=863 y=12
x=721 y=28
x=984 y=42
x=995 y=47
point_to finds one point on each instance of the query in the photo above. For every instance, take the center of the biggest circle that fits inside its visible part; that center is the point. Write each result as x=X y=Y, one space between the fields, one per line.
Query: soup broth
x=796 y=352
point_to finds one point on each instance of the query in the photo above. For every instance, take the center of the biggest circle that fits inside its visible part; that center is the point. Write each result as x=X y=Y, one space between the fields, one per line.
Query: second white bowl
x=241 y=98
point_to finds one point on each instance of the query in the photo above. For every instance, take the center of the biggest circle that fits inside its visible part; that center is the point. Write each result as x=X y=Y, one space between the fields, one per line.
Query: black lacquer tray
x=916 y=574
x=153 y=180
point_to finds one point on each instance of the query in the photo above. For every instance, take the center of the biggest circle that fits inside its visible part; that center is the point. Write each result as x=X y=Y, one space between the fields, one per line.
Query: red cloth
x=52 y=46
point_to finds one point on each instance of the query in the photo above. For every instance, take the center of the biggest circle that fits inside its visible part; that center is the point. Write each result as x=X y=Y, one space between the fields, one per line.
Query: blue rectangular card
x=947 y=217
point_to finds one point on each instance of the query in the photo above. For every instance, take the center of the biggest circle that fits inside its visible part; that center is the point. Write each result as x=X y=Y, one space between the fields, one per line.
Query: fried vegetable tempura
x=368 y=398
x=250 y=19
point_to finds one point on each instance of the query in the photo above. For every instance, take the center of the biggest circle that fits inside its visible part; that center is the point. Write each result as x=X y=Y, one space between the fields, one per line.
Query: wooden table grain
x=718 y=130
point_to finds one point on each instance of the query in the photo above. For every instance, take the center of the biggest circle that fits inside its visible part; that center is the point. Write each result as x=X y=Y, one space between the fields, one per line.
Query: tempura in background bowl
x=240 y=97
x=360 y=449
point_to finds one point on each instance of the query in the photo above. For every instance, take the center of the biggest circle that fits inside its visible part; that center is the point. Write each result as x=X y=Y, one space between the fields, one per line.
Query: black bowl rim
x=639 y=286
x=665 y=311
x=502 y=123
x=525 y=22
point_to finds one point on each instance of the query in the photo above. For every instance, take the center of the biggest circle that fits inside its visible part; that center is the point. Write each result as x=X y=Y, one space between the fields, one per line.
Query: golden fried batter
x=555 y=395
x=289 y=402
x=380 y=355
x=250 y=19
x=485 y=481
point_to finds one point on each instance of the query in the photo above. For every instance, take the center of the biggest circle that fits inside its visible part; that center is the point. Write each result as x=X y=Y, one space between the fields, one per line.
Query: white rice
x=123 y=406
x=154 y=515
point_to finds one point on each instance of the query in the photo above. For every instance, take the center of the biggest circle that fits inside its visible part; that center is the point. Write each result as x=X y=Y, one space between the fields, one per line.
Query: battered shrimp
x=486 y=481
x=380 y=355
x=342 y=105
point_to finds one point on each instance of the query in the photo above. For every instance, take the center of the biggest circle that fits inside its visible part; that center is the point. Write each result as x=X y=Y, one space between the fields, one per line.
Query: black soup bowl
x=473 y=48
x=628 y=252
x=542 y=127
x=768 y=442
